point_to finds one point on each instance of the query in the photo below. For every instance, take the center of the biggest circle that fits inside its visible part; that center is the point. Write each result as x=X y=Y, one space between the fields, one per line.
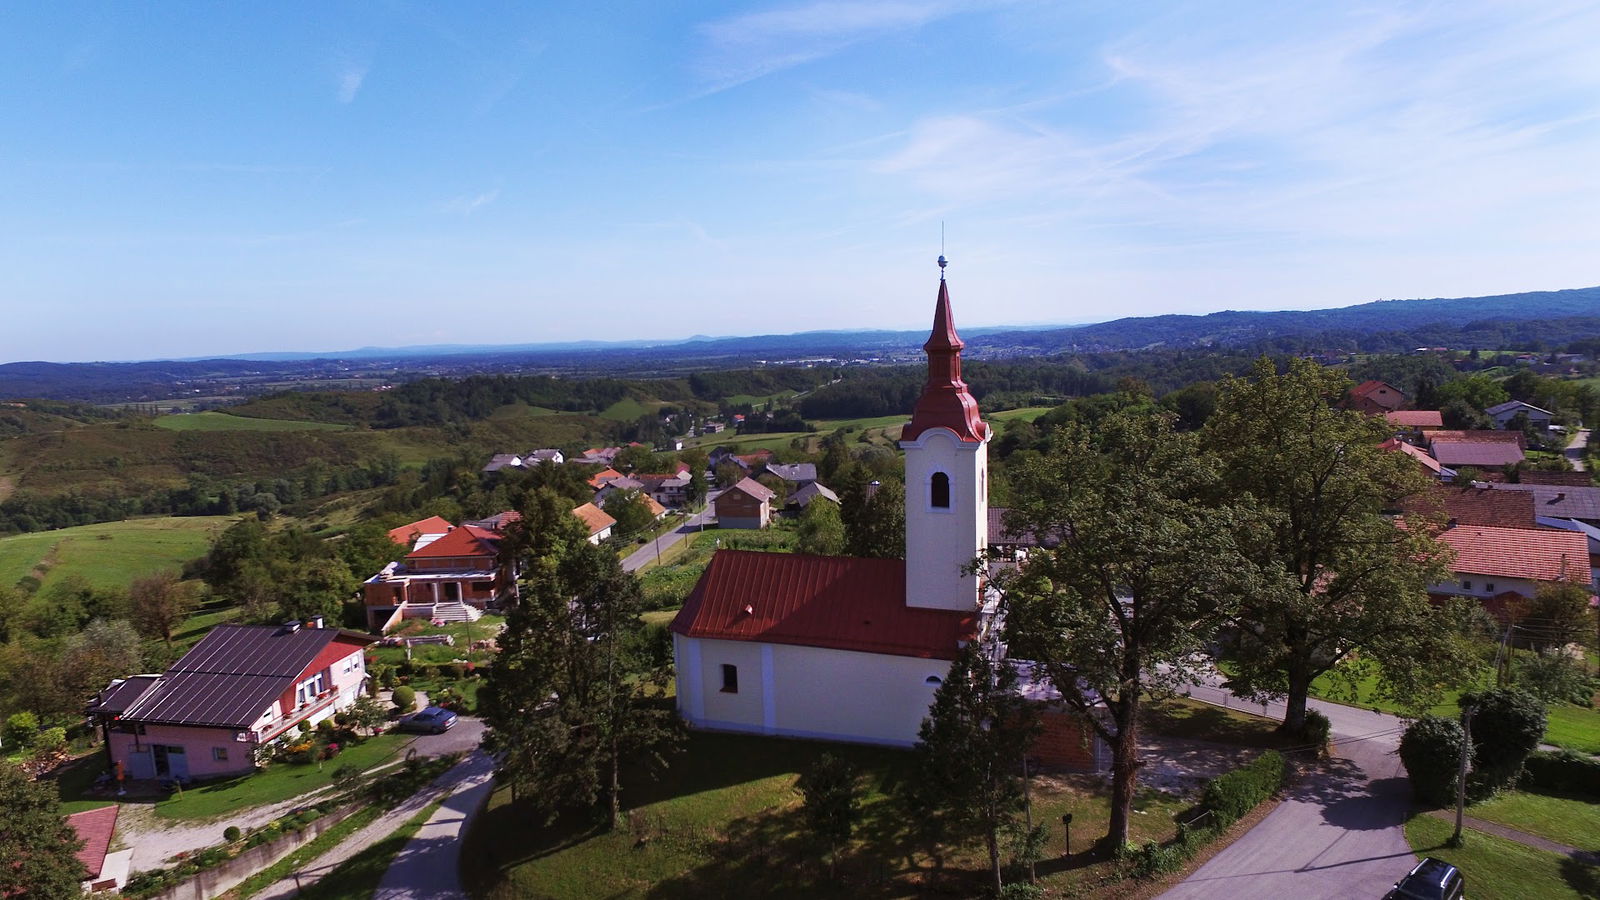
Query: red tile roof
x=405 y=535
x=1428 y=462
x=1415 y=418
x=753 y=488
x=603 y=476
x=95 y=826
x=836 y=602
x=1544 y=555
x=468 y=540
x=593 y=518
x=1469 y=505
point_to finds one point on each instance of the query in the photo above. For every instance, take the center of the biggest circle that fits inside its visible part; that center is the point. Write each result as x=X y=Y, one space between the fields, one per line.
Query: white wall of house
x=940 y=541
x=1466 y=584
x=810 y=692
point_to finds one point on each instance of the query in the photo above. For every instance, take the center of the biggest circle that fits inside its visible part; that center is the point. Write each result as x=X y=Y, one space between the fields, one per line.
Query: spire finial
x=942 y=261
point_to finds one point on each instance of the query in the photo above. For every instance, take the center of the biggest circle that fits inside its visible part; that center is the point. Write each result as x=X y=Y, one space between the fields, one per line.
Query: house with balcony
x=446 y=577
x=241 y=687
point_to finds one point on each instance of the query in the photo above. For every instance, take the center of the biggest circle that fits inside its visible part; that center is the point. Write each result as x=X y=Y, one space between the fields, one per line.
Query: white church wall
x=809 y=692
x=939 y=542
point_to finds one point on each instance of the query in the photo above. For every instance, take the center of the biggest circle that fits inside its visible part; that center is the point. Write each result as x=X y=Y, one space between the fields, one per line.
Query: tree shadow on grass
x=1583 y=878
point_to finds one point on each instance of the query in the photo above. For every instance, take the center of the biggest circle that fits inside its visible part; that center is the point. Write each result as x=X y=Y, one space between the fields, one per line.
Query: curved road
x=1337 y=834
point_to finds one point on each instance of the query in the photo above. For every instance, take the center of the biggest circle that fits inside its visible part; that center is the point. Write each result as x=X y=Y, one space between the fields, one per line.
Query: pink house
x=241 y=687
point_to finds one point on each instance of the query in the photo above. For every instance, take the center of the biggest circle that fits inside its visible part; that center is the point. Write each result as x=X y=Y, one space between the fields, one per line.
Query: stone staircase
x=455 y=612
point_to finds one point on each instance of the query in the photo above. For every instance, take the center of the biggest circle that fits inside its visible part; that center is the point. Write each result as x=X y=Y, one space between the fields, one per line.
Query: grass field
x=625 y=410
x=757 y=401
x=1023 y=414
x=279 y=782
x=1498 y=869
x=1567 y=820
x=110 y=554
x=1574 y=727
x=219 y=421
x=725 y=821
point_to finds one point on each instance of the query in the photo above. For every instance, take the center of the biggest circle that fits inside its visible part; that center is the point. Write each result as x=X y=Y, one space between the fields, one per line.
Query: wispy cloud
x=349 y=77
x=748 y=46
x=468 y=204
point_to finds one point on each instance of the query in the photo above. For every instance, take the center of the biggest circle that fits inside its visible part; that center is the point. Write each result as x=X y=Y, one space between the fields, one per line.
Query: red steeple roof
x=945 y=401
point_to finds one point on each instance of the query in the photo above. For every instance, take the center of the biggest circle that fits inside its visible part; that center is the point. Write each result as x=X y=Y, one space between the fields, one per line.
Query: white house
x=843 y=648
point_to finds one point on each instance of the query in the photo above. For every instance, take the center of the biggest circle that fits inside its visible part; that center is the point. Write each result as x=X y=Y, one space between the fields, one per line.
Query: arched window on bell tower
x=939 y=491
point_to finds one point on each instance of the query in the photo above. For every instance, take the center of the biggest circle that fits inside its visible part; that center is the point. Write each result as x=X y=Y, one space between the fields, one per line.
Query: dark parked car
x=433 y=720
x=1432 y=879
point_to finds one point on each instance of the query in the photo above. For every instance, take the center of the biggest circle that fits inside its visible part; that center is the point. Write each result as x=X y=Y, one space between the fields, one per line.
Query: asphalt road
x=1574 y=450
x=697 y=522
x=1338 y=833
x=428 y=866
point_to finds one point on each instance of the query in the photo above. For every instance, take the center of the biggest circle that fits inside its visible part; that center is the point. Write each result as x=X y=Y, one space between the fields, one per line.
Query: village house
x=850 y=649
x=747 y=504
x=1479 y=449
x=668 y=489
x=595 y=521
x=547 y=455
x=1422 y=457
x=811 y=491
x=1415 y=420
x=240 y=688
x=1375 y=398
x=1503 y=413
x=446 y=577
x=1501 y=566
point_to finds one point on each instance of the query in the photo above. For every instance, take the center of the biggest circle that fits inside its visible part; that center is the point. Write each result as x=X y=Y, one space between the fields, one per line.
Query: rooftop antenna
x=942 y=261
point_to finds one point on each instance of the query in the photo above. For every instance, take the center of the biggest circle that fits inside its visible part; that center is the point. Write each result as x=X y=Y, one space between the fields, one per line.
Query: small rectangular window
x=730 y=679
x=1488 y=586
x=220 y=754
x=1466 y=585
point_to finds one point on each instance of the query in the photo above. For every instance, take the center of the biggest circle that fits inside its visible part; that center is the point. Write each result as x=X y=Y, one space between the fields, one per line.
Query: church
x=849 y=649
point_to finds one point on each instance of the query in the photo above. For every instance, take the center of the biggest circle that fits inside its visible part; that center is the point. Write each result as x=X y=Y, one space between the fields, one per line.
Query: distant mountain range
x=1506 y=320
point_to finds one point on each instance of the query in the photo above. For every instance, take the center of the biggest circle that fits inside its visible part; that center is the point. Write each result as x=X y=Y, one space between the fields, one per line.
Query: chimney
x=289 y=628
x=1450 y=524
x=316 y=622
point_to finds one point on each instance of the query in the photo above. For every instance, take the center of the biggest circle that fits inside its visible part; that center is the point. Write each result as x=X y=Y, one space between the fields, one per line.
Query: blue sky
x=190 y=179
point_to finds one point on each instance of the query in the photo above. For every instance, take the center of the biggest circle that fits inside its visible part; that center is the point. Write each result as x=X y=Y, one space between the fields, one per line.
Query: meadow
x=219 y=421
x=111 y=554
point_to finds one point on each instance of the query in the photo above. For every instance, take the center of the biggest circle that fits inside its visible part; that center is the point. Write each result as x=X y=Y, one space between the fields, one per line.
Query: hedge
x=1231 y=795
x=1562 y=772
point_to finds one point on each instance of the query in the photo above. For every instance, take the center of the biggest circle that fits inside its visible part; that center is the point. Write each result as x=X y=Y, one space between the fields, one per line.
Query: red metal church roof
x=842 y=603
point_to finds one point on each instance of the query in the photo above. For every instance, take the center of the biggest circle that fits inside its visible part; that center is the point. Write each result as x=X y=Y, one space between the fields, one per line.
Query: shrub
x=50 y=739
x=1554 y=677
x=429 y=673
x=1430 y=750
x=1315 y=730
x=303 y=727
x=1233 y=794
x=1562 y=772
x=231 y=833
x=1021 y=890
x=456 y=671
x=21 y=729
x=325 y=727
x=1506 y=727
x=405 y=699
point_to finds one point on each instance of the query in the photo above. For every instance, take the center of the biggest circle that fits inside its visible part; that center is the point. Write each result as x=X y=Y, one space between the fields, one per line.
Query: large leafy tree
x=37 y=846
x=158 y=603
x=967 y=779
x=1337 y=577
x=821 y=529
x=570 y=693
x=1137 y=572
x=874 y=517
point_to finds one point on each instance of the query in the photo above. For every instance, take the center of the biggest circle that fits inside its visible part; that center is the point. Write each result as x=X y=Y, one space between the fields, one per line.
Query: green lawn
x=757 y=401
x=438 y=654
x=357 y=878
x=725 y=821
x=278 y=782
x=110 y=554
x=1498 y=869
x=748 y=443
x=1566 y=820
x=220 y=421
x=1574 y=727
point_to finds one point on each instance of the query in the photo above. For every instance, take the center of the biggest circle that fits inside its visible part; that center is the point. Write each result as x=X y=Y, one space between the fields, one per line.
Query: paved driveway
x=1338 y=833
x=428 y=866
x=463 y=739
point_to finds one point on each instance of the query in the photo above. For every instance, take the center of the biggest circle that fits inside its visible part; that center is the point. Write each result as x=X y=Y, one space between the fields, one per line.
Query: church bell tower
x=947 y=476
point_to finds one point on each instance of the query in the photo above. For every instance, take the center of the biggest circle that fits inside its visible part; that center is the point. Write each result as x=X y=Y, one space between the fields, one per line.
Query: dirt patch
x=8 y=486
x=1182 y=766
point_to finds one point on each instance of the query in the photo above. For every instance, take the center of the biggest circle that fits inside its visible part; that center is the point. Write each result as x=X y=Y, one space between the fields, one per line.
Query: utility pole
x=1461 y=773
